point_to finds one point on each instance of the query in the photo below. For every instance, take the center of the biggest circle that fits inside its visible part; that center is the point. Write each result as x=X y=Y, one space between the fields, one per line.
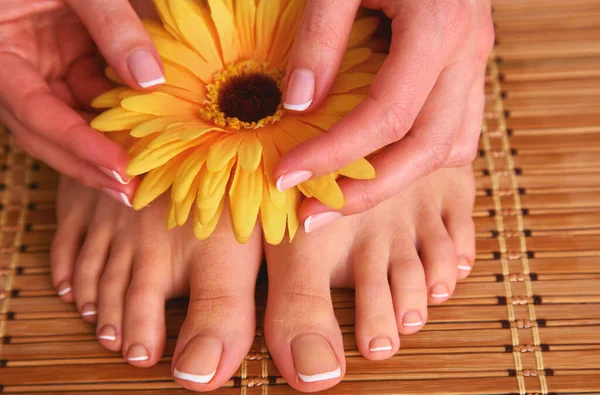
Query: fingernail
x=464 y=264
x=292 y=179
x=321 y=220
x=300 y=90
x=411 y=319
x=199 y=360
x=88 y=310
x=114 y=174
x=118 y=196
x=64 y=288
x=439 y=291
x=137 y=352
x=380 y=344
x=108 y=332
x=314 y=359
x=145 y=68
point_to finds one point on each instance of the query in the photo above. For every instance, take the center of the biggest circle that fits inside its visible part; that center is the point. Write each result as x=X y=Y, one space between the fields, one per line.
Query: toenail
x=118 y=196
x=314 y=359
x=108 y=332
x=380 y=344
x=137 y=352
x=199 y=360
x=64 y=288
x=318 y=221
x=439 y=291
x=411 y=319
x=88 y=309
x=464 y=264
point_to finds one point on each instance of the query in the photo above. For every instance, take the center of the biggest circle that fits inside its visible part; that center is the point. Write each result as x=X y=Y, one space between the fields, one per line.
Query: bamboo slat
x=526 y=321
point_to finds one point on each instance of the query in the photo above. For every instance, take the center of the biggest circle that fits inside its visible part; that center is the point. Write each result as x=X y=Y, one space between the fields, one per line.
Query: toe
x=438 y=255
x=220 y=324
x=409 y=288
x=376 y=330
x=301 y=330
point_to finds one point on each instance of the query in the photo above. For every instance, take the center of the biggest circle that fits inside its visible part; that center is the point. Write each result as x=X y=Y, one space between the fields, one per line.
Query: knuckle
x=214 y=300
x=392 y=124
x=437 y=153
x=305 y=296
x=367 y=200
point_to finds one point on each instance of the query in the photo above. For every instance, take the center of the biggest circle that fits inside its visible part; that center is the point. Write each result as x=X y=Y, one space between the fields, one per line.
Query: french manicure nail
x=196 y=378
x=380 y=344
x=88 y=310
x=118 y=196
x=439 y=291
x=199 y=360
x=114 y=174
x=314 y=359
x=137 y=352
x=300 y=90
x=464 y=264
x=145 y=68
x=292 y=179
x=317 y=221
x=107 y=333
x=411 y=319
x=64 y=288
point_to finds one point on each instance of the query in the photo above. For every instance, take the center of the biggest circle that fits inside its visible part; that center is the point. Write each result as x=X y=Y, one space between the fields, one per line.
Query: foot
x=120 y=266
x=400 y=256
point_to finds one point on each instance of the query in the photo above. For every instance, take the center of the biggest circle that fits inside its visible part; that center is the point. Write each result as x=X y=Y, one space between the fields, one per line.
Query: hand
x=425 y=105
x=50 y=73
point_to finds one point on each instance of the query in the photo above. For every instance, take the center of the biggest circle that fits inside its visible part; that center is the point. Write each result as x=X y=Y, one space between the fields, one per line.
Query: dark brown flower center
x=249 y=97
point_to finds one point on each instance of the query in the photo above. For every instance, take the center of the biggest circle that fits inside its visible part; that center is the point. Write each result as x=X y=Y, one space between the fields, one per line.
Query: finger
x=122 y=39
x=319 y=47
x=86 y=81
x=26 y=95
x=395 y=98
x=67 y=163
x=423 y=150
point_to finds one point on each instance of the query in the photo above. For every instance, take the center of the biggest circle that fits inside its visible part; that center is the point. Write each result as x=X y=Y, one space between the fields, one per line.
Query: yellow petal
x=157 y=125
x=180 y=54
x=362 y=30
x=203 y=230
x=171 y=217
x=284 y=37
x=360 y=170
x=155 y=28
x=354 y=56
x=283 y=141
x=330 y=194
x=323 y=121
x=270 y=157
x=245 y=196
x=340 y=104
x=155 y=183
x=166 y=137
x=195 y=98
x=292 y=200
x=164 y=11
x=108 y=99
x=140 y=145
x=118 y=119
x=157 y=103
x=188 y=172
x=211 y=191
x=125 y=93
x=272 y=219
x=181 y=78
x=347 y=81
x=112 y=75
x=194 y=22
x=249 y=151
x=228 y=35
x=150 y=159
x=267 y=15
x=198 y=128
x=183 y=207
x=245 y=15
x=297 y=130
x=222 y=151
x=371 y=65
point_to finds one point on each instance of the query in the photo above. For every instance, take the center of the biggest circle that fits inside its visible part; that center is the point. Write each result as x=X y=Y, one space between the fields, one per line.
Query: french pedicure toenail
x=439 y=291
x=300 y=90
x=314 y=359
x=137 y=352
x=292 y=179
x=318 y=221
x=411 y=319
x=199 y=361
x=88 y=309
x=107 y=332
x=64 y=288
x=115 y=175
x=118 y=196
x=380 y=344
x=464 y=264
x=145 y=68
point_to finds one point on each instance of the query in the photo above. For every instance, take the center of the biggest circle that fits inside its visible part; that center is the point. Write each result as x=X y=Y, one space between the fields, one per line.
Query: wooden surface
x=526 y=321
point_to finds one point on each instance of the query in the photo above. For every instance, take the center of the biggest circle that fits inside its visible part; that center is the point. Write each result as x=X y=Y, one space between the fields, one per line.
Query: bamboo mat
x=526 y=321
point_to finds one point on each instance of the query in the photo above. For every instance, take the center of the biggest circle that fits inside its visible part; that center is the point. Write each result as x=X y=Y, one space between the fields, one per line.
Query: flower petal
x=157 y=103
x=322 y=121
x=270 y=157
x=329 y=194
x=203 y=230
x=171 y=216
x=188 y=172
x=371 y=65
x=211 y=191
x=249 y=151
x=183 y=207
x=150 y=159
x=362 y=30
x=108 y=99
x=228 y=35
x=340 y=104
x=245 y=16
x=157 y=125
x=267 y=15
x=117 y=119
x=347 y=81
x=155 y=28
x=199 y=128
x=359 y=170
x=354 y=56
x=245 y=196
x=181 y=78
x=155 y=183
x=180 y=54
x=222 y=151
x=292 y=200
x=164 y=11
x=273 y=219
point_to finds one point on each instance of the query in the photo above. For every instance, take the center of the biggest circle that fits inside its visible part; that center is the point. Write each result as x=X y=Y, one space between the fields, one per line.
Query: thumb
x=318 y=50
x=122 y=39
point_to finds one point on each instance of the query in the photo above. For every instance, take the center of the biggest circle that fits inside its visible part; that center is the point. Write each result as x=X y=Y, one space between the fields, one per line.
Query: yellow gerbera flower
x=217 y=126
